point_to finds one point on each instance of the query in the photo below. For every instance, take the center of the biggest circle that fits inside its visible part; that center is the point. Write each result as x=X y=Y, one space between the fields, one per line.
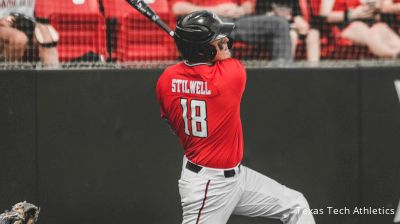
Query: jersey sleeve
x=242 y=77
x=238 y=76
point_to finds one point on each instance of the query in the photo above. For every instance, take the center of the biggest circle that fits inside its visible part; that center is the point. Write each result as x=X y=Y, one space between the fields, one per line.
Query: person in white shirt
x=19 y=30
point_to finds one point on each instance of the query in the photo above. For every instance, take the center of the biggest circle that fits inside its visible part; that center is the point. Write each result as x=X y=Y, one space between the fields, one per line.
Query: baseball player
x=200 y=98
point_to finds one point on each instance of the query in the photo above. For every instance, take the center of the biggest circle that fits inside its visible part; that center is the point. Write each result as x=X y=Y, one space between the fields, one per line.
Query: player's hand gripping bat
x=145 y=10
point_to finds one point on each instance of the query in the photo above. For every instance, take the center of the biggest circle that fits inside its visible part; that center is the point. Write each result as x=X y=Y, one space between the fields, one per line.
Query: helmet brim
x=225 y=30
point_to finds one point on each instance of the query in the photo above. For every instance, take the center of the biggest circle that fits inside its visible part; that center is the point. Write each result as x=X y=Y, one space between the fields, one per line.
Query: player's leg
x=207 y=200
x=259 y=30
x=264 y=197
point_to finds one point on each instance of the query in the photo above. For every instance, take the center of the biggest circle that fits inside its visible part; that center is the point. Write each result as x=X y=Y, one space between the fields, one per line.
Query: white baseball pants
x=208 y=197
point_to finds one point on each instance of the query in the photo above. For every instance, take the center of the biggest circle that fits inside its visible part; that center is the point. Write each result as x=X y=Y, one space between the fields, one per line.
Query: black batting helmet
x=194 y=33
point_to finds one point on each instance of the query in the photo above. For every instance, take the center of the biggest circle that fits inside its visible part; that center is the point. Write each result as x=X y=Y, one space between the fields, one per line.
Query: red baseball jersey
x=201 y=103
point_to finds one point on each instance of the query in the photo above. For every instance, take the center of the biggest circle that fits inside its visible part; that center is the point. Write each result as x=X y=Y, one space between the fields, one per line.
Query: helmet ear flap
x=196 y=53
x=205 y=53
x=211 y=52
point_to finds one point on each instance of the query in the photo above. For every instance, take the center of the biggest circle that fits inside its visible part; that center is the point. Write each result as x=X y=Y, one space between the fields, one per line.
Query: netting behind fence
x=111 y=31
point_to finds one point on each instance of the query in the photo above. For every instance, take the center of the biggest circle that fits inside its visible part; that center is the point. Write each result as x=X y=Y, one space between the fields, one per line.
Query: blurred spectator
x=18 y=30
x=258 y=30
x=357 y=22
x=290 y=10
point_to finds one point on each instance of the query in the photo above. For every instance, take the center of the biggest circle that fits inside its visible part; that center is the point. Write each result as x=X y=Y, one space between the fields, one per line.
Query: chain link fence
x=62 y=34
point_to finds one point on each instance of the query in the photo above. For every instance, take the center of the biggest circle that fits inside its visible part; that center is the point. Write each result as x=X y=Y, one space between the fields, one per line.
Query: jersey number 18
x=197 y=119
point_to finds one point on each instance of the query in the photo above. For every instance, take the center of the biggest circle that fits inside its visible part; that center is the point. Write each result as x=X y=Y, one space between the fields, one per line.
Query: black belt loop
x=193 y=167
x=229 y=173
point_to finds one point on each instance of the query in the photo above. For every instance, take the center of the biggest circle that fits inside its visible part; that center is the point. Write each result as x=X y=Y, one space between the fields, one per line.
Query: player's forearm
x=184 y=8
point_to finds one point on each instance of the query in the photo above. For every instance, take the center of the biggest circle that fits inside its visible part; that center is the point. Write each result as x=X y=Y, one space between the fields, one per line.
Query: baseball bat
x=145 y=10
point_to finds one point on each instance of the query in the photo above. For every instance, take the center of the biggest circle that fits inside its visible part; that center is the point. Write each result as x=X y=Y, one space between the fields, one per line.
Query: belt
x=196 y=168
